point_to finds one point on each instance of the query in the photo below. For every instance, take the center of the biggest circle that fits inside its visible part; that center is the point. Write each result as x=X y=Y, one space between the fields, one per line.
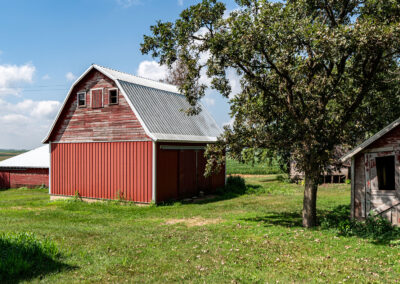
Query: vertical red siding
x=177 y=177
x=13 y=178
x=103 y=170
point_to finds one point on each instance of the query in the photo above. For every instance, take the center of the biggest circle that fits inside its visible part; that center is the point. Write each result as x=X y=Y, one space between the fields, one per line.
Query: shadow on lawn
x=22 y=259
x=376 y=229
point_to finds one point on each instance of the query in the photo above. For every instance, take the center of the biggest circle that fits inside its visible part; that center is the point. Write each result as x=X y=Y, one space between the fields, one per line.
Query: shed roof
x=36 y=158
x=370 y=140
x=160 y=109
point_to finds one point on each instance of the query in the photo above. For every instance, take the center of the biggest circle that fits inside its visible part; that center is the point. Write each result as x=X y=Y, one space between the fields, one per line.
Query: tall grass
x=23 y=256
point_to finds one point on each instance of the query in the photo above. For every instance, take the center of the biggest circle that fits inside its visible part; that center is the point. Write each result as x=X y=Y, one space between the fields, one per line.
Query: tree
x=314 y=73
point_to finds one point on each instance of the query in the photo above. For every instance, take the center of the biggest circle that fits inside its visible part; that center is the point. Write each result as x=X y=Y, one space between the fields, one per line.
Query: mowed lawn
x=251 y=238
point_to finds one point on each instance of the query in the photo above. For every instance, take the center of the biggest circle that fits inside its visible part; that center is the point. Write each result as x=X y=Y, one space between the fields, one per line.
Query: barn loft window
x=113 y=99
x=385 y=172
x=82 y=99
x=97 y=98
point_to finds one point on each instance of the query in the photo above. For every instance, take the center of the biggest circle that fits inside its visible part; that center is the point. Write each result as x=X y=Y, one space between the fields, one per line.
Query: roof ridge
x=135 y=75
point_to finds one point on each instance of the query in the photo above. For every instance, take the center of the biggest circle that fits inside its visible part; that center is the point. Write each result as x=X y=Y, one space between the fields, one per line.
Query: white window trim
x=102 y=96
x=109 y=97
x=77 y=96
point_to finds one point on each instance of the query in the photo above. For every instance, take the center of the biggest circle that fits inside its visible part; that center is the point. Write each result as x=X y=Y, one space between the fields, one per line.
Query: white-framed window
x=97 y=97
x=81 y=99
x=113 y=96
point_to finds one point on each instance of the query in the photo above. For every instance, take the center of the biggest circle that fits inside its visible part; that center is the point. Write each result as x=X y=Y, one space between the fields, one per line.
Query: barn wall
x=108 y=170
x=14 y=178
x=109 y=123
x=178 y=176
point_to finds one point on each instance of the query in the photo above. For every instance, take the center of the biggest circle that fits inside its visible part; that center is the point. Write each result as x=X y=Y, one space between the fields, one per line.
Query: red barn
x=121 y=136
x=30 y=169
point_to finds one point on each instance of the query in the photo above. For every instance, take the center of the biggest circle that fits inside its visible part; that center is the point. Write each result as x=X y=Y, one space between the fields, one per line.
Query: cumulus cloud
x=13 y=77
x=152 y=70
x=46 y=77
x=180 y=2
x=24 y=124
x=70 y=76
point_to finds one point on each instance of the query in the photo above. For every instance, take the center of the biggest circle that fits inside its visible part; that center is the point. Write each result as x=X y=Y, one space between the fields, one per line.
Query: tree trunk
x=310 y=201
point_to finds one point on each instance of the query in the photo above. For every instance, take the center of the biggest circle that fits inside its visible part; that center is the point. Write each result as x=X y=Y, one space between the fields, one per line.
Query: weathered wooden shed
x=30 y=169
x=375 y=181
x=122 y=136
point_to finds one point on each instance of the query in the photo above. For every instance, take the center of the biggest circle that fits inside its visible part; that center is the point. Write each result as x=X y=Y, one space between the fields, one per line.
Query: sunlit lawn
x=249 y=238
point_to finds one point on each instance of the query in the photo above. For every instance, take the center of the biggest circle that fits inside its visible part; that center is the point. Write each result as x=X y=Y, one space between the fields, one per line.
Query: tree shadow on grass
x=337 y=220
x=21 y=262
x=284 y=219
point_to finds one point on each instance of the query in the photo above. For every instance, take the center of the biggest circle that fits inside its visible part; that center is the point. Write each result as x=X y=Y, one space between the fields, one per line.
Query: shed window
x=113 y=99
x=82 y=99
x=385 y=172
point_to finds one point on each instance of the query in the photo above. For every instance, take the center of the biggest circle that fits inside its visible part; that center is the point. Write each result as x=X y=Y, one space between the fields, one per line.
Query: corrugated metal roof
x=36 y=158
x=158 y=107
x=163 y=114
x=118 y=75
x=370 y=140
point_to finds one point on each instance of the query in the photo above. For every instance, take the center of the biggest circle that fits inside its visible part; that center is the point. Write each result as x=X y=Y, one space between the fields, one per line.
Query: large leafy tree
x=314 y=73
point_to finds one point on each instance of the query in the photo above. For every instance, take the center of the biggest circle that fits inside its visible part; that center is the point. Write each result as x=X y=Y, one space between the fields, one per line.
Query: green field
x=5 y=154
x=234 y=167
x=255 y=237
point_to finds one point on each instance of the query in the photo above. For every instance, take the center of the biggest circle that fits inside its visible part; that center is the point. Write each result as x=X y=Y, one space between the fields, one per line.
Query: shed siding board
x=179 y=177
x=390 y=139
x=108 y=123
x=24 y=177
x=107 y=170
x=359 y=187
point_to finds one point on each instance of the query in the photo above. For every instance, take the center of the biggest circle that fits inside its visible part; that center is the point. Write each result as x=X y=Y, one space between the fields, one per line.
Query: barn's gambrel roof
x=370 y=140
x=36 y=158
x=159 y=107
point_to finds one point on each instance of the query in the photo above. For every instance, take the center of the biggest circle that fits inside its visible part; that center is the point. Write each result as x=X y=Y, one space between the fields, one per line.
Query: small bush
x=375 y=228
x=234 y=184
x=23 y=255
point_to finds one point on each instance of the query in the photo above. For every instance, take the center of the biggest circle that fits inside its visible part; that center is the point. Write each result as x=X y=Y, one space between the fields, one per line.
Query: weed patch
x=24 y=256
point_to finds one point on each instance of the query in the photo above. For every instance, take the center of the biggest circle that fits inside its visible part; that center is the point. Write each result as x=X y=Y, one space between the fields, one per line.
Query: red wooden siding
x=179 y=177
x=97 y=98
x=115 y=122
x=14 y=178
x=102 y=170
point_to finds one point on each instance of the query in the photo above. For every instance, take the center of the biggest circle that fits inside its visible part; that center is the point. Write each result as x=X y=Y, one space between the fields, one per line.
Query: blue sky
x=47 y=44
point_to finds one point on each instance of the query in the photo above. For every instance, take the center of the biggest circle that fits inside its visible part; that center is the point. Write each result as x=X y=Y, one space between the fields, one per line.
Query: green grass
x=234 y=167
x=251 y=238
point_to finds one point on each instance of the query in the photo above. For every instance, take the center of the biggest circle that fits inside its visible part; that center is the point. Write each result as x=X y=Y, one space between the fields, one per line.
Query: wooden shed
x=375 y=181
x=30 y=169
x=118 y=136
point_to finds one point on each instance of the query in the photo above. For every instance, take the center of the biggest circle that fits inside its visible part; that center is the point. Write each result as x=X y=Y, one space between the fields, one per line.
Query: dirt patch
x=193 y=222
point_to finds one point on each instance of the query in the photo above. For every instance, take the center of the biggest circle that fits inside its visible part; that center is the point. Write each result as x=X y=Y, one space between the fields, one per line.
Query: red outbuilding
x=118 y=136
x=30 y=169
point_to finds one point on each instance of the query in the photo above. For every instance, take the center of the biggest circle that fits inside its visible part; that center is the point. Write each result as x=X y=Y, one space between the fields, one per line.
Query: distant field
x=5 y=154
x=234 y=167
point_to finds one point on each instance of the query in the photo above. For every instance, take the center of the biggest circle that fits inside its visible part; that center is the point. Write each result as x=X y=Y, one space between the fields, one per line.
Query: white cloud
x=229 y=123
x=128 y=3
x=152 y=70
x=46 y=77
x=13 y=77
x=70 y=76
x=180 y=2
x=24 y=124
